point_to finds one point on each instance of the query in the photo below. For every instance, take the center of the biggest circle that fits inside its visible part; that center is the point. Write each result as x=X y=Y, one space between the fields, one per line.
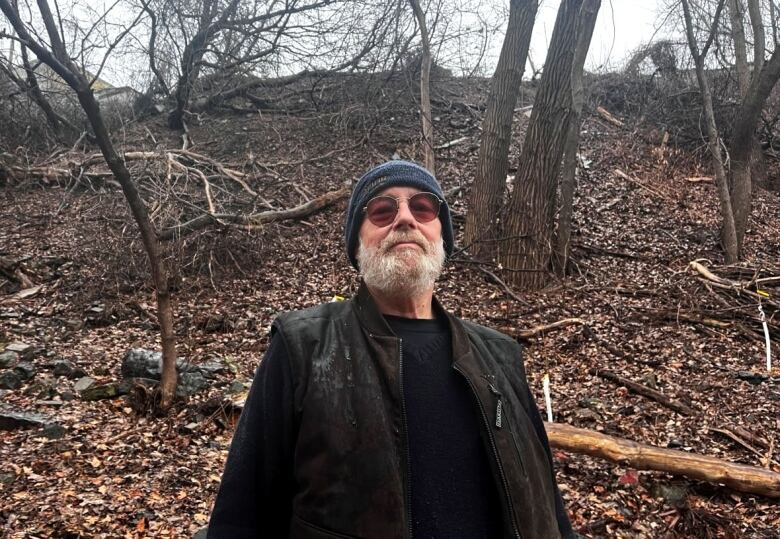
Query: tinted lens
x=381 y=211
x=424 y=207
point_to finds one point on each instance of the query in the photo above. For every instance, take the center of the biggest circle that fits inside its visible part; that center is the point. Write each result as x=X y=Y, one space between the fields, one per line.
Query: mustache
x=394 y=238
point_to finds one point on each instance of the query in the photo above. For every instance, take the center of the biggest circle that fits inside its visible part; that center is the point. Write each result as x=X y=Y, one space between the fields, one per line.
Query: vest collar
x=372 y=320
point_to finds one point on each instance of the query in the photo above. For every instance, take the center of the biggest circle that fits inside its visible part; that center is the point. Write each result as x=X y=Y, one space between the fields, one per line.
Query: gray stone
x=11 y=418
x=201 y=533
x=53 y=431
x=586 y=415
x=10 y=380
x=236 y=386
x=672 y=494
x=18 y=347
x=25 y=370
x=8 y=359
x=105 y=391
x=3 y=393
x=190 y=383
x=141 y=363
x=68 y=369
x=41 y=389
x=6 y=478
x=83 y=384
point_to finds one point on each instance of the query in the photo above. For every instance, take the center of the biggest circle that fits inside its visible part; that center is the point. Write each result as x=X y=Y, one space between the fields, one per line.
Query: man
x=385 y=416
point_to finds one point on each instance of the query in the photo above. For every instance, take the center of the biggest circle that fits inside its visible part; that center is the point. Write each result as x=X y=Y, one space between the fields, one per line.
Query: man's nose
x=404 y=218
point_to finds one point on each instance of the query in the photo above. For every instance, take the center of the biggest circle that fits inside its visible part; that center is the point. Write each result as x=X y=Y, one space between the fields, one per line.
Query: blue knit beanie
x=392 y=174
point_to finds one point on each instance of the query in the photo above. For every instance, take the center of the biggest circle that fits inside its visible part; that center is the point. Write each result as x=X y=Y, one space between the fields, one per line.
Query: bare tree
x=425 y=88
x=56 y=56
x=590 y=10
x=488 y=189
x=526 y=248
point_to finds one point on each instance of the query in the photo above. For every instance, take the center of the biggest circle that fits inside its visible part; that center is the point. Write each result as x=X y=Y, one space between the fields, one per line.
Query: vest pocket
x=303 y=529
x=519 y=452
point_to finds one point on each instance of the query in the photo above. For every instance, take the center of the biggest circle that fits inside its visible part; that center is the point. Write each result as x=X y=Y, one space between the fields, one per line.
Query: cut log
x=646 y=391
x=739 y=477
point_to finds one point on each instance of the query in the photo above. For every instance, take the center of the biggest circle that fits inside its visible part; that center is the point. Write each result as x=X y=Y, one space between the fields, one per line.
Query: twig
x=657 y=396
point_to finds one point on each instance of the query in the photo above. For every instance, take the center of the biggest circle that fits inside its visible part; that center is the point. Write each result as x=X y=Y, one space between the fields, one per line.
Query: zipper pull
x=499 y=405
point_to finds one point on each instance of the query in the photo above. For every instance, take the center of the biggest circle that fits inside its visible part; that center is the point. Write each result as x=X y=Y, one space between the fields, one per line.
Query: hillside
x=104 y=470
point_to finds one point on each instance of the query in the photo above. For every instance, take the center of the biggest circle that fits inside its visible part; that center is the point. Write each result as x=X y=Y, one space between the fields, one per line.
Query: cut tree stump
x=640 y=456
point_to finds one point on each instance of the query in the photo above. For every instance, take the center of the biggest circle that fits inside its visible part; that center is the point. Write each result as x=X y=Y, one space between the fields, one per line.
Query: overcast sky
x=622 y=26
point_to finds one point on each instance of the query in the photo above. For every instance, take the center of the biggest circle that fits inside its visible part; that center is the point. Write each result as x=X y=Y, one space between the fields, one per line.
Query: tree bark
x=743 y=148
x=589 y=13
x=425 y=89
x=59 y=61
x=647 y=457
x=728 y=231
x=526 y=247
x=487 y=191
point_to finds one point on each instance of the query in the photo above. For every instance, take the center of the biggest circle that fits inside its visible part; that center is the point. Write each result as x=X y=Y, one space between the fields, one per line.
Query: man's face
x=404 y=257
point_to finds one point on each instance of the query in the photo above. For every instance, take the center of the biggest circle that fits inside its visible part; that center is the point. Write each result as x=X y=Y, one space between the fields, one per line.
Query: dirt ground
x=114 y=473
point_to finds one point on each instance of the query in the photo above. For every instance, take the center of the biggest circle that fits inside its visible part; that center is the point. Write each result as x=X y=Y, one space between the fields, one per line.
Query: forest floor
x=111 y=472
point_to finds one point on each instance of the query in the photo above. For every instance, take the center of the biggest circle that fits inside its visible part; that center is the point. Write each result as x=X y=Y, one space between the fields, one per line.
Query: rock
x=6 y=478
x=66 y=368
x=105 y=391
x=8 y=359
x=83 y=384
x=586 y=414
x=673 y=494
x=236 y=386
x=67 y=396
x=201 y=533
x=3 y=393
x=11 y=418
x=24 y=370
x=18 y=347
x=41 y=389
x=141 y=363
x=53 y=431
x=10 y=380
x=190 y=383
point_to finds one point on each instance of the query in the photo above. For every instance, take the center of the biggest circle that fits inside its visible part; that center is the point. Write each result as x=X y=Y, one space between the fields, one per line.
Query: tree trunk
x=60 y=62
x=744 y=150
x=728 y=231
x=647 y=457
x=487 y=191
x=590 y=10
x=425 y=89
x=526 y=247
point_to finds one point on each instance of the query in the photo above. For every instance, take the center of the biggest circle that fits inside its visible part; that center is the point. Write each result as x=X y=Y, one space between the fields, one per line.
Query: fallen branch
x=609 y=117
x=451 y=143
x=536 y=330
x=628 y=178
x=657 y=396
x=640 y=456
x=257 y=219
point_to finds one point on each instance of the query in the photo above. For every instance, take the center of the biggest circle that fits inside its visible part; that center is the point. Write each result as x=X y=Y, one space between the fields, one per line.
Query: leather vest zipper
x=405 y=426
x=493 y=445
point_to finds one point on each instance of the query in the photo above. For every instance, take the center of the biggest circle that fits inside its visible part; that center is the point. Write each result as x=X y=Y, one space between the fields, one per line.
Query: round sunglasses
x=382 y=210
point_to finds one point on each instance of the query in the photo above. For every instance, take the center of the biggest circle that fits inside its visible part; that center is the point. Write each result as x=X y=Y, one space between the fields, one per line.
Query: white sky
x=622 y=26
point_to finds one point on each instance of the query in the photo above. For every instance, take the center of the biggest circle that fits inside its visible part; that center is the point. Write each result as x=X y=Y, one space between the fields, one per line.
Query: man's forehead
x=398 y=190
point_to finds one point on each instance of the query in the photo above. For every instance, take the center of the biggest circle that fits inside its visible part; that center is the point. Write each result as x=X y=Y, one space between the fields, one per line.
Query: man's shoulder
x=485 y=332
x=324 y=312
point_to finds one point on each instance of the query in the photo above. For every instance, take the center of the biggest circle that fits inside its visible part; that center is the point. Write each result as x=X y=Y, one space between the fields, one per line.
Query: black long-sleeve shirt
x=453 y=494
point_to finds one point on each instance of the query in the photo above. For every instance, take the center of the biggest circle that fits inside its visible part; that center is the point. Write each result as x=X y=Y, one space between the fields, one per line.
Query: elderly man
x=385 y=416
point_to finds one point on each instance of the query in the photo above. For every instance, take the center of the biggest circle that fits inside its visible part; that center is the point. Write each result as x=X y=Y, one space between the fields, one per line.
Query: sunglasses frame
x=398 y=206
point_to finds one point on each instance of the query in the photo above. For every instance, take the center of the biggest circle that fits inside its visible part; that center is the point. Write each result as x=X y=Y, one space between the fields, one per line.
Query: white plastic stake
x=547 y=398
x=766 y=338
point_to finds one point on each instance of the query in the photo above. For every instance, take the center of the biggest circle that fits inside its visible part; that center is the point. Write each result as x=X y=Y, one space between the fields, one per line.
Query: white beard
x=404 y=272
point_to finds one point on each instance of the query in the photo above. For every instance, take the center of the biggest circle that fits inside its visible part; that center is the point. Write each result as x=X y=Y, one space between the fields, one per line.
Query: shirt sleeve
x=255 y=494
